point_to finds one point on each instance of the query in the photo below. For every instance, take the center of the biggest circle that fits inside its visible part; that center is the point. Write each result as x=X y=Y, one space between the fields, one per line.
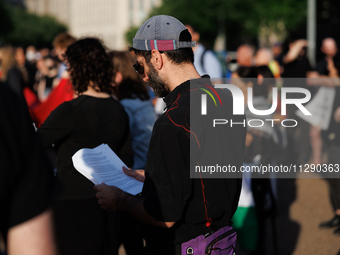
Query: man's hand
x=139 y=174
x=295 y=50
x=110 y=197
x=113 y=198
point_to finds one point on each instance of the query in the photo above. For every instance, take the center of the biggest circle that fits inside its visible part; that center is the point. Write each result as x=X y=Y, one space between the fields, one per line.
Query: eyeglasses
x=138 y=67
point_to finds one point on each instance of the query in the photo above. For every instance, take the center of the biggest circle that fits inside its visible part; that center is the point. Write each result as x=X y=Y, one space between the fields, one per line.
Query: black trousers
x=334 y=181
x=83 y=227
x=130 y=235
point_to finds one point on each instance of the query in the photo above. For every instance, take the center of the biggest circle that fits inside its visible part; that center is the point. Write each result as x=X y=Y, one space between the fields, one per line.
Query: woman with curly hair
x=93 y=118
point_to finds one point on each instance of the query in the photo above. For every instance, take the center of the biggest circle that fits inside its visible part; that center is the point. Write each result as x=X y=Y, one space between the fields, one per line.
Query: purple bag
x=221 y=242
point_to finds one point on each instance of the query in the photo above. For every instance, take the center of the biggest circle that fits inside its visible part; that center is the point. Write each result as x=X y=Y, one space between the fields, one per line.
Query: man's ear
x=118 y=78
x=157 y=59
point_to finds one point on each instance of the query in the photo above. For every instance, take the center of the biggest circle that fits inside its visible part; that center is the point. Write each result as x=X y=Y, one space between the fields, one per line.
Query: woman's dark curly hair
x=88 y=62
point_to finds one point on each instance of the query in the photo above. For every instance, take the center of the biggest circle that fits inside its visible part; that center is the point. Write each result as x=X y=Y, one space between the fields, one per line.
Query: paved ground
x=303 y=204
x=310 y=207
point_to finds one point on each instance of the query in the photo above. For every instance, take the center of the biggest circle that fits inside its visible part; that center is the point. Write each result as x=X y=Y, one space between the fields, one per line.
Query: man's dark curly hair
x=88 y=62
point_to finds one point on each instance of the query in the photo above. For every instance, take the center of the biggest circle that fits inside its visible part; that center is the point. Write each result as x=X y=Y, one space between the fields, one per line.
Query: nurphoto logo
x=238 y=104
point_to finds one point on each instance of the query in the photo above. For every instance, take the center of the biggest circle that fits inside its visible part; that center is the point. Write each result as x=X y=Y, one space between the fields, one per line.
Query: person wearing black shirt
x=26 y=181
x=330 y=49
x=93 y=118
x=174 y=208
x=331 y=139
x=295 y=62
x=10 y=72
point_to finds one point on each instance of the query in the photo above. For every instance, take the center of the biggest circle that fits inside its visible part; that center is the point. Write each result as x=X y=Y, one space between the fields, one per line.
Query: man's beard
x=156 y=83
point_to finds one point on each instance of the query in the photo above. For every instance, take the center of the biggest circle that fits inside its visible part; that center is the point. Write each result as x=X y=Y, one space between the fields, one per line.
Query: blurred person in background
x=60 y=44
x=62 y=92
x=265 y=72
x=296 y=63
x=43 y=52
x=39 y=74
x=266 y=78
x=244 y=78
x=48 y=80
x=329 y=49
x=10 y=72
x=324 y=68
x=205 y=60
x=31 y=54
x=21 y=61
x=265 y=57
x=91 y=119
x=257 y=201
x=133 y=94
x=331 y=140
x=245 y=55
x=26 y=182
x=28 y=69
x=277 y=52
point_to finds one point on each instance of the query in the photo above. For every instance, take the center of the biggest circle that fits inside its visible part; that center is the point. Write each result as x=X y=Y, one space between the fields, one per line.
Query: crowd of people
x=81 y=94
x=307 y=143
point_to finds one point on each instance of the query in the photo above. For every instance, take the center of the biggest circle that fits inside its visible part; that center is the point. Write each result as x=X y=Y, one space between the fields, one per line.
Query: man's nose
x=145 y=77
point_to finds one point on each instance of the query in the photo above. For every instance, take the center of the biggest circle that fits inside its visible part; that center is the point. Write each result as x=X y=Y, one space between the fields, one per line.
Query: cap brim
x=161 y=45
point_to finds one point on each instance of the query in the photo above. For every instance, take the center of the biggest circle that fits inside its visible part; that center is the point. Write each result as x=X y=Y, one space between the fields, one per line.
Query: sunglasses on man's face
x=138 y=67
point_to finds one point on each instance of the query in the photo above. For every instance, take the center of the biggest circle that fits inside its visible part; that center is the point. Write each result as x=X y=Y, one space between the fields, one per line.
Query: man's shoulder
x=173 y=121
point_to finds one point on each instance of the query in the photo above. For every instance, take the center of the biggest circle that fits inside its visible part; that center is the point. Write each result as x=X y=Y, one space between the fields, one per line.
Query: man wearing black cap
x=174 y=207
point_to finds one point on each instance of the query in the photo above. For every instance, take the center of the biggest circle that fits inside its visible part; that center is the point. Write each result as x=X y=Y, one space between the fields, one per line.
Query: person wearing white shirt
x=209 y=64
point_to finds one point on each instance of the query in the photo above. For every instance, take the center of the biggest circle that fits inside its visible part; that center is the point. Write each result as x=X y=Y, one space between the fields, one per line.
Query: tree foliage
x=30 y=29
x=5 y=22
x=130 y=34
x=238 y=19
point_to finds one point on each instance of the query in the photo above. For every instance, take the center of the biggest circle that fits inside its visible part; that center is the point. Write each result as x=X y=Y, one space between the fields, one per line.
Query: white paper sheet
x=320 y=107
x=101 y=164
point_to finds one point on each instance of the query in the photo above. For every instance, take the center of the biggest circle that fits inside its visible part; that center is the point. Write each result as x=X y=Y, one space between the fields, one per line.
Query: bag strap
x=202 y=59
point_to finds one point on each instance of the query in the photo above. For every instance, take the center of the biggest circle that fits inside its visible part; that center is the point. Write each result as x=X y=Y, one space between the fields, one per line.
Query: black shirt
x=15 y=81
x=85 y=122
x=26 y=176
x=332 y=135
x=322 y=67
x=296 y=69
x=170 y=194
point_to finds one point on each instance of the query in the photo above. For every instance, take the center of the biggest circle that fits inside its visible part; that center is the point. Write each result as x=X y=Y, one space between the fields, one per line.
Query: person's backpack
x=220 y=58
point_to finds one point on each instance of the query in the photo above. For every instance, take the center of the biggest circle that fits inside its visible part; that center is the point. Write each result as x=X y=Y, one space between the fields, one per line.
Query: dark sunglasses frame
x=138 y=68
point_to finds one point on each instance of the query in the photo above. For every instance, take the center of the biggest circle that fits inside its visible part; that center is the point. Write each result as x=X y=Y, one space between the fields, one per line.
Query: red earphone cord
x=208 y=220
